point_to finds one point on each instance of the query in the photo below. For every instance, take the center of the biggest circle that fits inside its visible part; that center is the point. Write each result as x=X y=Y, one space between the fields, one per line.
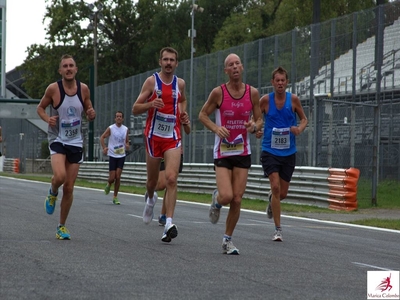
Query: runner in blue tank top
x=278 y=156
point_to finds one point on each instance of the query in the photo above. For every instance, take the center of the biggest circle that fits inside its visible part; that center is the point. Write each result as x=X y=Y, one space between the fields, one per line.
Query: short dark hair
x=280 y=70
x=120 y=112
x=66 y=56
x=170 y=50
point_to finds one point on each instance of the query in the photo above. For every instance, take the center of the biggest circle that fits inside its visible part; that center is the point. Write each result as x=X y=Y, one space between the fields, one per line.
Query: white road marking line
x=370 y=266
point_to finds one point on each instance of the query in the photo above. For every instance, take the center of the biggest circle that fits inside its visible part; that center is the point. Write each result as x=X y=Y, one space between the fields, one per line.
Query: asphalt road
x=114 y=255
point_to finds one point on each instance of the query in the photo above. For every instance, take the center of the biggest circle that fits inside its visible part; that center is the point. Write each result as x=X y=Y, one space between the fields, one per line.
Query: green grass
x=387 y=194
x=382 y=223
x=387 y=198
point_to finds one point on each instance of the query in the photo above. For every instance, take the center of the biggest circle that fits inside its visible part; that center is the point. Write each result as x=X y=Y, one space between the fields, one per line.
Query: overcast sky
x=24 y=27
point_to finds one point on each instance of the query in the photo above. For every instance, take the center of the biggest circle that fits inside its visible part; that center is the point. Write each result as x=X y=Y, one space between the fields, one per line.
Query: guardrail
x=10 y=165
x=323 y=187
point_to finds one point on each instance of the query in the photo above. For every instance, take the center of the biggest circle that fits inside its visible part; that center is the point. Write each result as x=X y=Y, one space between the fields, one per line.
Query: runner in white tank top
x=69 y=100
x=118 y=143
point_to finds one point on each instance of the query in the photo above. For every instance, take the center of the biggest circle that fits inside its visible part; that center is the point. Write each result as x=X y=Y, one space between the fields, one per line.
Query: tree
x=278 y=16
x=133 y=32
x=246 y=26
x=41 y=67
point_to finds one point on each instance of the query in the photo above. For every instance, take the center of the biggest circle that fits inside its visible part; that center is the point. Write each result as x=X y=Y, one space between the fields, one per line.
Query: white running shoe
x=214 y=210
x=148 y=212
x=229 y=248
x=277 y=236
x=170 y=232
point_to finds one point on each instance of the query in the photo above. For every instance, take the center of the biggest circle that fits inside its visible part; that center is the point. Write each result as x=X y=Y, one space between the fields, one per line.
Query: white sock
x=169 y=222
x=151 y=201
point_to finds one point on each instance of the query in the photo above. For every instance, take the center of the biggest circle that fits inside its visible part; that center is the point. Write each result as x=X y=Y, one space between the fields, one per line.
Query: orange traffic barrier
x=343 y=188
x=16 y=165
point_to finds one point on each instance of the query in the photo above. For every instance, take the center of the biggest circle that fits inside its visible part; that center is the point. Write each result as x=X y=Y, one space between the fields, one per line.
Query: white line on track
x=247 y=210
x=370 y=266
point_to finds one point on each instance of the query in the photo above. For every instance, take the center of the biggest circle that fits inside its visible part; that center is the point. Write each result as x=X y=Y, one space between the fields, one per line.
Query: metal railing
x=309 y=185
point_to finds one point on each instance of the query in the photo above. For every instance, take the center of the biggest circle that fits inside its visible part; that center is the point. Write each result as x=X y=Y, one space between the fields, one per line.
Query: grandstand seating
x=365 y=68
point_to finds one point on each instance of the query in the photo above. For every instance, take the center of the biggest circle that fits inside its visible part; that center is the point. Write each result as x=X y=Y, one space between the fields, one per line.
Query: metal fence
x=355 y=59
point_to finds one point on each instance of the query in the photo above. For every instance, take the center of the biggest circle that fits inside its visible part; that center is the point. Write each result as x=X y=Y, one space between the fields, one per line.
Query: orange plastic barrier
x=343 y=188
x=16 y=165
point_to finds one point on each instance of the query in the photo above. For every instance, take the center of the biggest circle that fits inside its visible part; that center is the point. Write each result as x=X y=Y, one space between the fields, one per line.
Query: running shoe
x=214 y=210
x=277 y=236
x=229 y=248
x=107 y=189
x=63 y=233
x=50 y=203
x=170 y=232
x=269 y=208
x=148 y=212
x=116 y=201
x=162 y=220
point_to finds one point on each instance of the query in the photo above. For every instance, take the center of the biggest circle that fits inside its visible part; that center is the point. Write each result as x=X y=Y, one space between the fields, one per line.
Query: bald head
x=231 y=58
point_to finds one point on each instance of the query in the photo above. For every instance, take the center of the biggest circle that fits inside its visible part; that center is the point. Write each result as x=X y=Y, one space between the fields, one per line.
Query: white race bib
x=70 y=129
x=164 y=125
x=280 y=138
x=120 y=149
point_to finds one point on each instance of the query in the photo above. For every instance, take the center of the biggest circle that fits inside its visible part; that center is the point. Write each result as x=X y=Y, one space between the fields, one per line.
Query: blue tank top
x=278 y=140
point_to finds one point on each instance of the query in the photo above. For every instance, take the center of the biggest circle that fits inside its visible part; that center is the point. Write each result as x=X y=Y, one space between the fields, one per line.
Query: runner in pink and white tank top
x=232 y=114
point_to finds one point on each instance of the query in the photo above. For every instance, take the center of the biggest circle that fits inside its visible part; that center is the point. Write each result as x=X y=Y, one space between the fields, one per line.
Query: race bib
x=235 y=147
x=280 y=138
x=120 y=149
x=164 y=125
x=70 y=129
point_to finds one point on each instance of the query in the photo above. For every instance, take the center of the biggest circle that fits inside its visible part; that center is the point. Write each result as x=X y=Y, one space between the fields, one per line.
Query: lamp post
x=192 y=35
x=94 y=16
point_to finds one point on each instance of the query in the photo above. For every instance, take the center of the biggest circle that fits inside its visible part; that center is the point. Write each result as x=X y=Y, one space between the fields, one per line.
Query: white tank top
x=69 y=128
x=116 y=141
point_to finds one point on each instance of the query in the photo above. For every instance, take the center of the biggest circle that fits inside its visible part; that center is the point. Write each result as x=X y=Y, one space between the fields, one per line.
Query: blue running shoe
x=162 y=220
x=50 y=203
x=63 y=233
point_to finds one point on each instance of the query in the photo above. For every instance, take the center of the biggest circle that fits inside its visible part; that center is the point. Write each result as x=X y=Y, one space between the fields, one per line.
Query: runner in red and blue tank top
x=163 y=124
x=237 y=113
x=163 y=98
